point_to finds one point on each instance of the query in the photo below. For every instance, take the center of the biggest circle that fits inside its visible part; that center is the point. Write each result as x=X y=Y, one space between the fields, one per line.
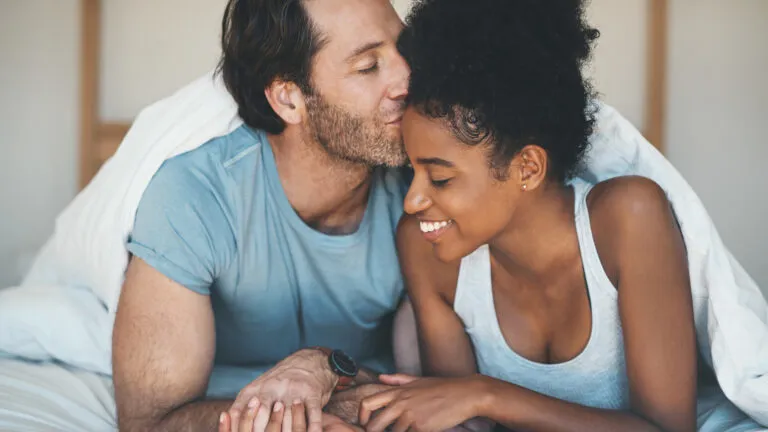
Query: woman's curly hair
x=506 y=70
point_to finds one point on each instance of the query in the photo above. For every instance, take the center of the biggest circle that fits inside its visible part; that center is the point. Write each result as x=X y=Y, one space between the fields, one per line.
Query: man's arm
x=162 y=353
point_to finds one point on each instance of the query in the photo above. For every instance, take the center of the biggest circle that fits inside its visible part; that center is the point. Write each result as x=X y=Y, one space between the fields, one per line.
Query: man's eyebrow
x=367 y=47
x=434 y=161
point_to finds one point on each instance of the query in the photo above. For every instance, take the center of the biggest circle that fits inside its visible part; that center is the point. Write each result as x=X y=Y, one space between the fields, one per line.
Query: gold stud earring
x=525 y=187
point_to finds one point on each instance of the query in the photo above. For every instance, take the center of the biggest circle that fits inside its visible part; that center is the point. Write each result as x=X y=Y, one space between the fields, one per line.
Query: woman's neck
x=540 y=241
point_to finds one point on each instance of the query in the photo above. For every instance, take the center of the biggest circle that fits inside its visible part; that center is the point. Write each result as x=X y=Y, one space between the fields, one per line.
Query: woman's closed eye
x=440 y=183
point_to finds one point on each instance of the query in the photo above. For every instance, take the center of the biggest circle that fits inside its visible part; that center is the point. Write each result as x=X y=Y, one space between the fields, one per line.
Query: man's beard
x=353 y=138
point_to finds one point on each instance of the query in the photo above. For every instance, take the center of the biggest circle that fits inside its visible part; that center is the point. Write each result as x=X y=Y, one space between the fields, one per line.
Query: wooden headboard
x=100 y=139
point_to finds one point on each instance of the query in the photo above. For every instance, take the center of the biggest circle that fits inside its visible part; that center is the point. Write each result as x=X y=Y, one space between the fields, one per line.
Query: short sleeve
x=181 y=228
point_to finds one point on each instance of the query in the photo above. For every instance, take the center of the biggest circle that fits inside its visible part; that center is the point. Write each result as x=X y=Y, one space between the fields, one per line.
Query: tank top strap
x=594 y=273
x=474 y=288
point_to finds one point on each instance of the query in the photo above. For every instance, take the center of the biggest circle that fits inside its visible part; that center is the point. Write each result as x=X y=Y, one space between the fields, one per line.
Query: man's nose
x=400 y=79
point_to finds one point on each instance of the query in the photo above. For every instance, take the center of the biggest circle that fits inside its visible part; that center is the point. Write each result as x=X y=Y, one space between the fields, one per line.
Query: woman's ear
x=287 y=100
x=530 y=167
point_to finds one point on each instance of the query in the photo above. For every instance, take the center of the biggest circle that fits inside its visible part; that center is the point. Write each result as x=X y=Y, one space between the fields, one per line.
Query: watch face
x=344 y=363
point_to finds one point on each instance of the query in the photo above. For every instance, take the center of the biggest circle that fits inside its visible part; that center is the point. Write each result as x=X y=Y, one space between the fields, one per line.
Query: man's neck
x=328 y=194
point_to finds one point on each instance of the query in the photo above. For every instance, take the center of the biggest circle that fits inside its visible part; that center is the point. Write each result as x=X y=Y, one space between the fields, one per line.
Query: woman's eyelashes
x=439 y=184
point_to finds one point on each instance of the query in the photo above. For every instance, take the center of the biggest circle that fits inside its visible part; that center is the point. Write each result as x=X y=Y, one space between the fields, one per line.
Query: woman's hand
x=424 y=404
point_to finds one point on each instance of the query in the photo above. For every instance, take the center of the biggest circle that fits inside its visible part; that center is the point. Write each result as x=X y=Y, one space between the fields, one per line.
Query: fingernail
x=278 y=406
x=221 y=418
x=253 y=403
x=296 y=401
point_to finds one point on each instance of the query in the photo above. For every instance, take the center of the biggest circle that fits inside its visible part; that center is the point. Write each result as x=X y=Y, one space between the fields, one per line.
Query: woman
x=573 y=300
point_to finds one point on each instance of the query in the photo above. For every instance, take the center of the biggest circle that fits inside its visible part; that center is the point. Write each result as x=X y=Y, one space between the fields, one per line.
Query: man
x=260 y=245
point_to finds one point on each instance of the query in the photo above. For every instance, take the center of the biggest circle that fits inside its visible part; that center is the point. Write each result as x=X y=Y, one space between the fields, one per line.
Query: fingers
x=239 y=409
x=385 y=418
x=299 y=417
x=234 y=420
x=245 y=423
x=275 y=423
x=315 y=415
x=262 y=417
x=397 y=379
x=287 y=419
x=225 y=422
x=402 y=425
x=373 y=403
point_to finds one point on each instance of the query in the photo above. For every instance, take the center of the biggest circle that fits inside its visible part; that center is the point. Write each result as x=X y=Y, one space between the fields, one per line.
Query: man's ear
x=287 y=100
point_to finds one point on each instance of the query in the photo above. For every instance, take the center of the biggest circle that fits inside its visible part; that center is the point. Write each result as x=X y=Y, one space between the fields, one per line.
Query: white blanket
x=87 y=248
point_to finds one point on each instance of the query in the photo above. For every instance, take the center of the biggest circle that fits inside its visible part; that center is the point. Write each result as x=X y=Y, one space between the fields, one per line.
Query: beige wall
x=718 y=118
x=717 y=109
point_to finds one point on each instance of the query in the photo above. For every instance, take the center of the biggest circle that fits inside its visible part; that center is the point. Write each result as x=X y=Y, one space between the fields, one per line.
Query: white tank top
x=597 y=376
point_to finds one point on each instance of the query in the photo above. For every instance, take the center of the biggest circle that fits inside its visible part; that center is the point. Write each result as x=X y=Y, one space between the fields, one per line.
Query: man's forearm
x=346 y=405
x=200 y=416
x=366 y=376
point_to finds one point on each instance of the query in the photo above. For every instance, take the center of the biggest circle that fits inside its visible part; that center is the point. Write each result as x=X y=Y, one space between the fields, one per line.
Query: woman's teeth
x=433 y=226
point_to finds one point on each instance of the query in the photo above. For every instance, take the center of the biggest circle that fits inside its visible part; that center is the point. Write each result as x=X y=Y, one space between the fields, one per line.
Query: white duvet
x=82 y=263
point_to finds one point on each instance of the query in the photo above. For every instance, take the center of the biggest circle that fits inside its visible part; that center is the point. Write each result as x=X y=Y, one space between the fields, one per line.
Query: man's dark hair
x=265 y=40
x=506 y=70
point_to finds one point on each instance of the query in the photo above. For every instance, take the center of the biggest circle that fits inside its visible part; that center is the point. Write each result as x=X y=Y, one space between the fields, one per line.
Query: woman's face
x=454 y=194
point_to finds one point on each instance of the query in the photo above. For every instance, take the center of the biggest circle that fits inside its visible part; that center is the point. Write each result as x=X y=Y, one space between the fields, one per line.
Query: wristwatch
x=342 y=365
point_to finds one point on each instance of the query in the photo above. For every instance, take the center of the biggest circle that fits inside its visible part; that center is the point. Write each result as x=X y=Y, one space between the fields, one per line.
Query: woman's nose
x=416 y=201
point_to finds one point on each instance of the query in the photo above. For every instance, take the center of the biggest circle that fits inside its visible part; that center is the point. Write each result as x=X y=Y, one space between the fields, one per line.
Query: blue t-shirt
x=217 y=221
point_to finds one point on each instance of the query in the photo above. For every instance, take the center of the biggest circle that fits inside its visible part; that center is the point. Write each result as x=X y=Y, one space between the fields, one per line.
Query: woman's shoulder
x=627 y=197
x=423 y=272
x=623 y=210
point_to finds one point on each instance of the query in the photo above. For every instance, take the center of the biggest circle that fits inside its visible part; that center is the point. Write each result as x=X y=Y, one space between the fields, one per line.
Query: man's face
x=359 y=80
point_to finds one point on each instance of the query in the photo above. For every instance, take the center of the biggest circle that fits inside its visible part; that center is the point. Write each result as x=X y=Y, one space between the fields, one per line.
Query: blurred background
x=704 y=98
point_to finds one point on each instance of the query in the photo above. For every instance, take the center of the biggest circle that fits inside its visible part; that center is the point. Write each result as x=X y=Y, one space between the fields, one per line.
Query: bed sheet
x=44 y=397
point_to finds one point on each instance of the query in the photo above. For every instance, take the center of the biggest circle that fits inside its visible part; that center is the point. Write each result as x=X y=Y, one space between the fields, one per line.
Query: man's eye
x=369 y=70
x=440 y=183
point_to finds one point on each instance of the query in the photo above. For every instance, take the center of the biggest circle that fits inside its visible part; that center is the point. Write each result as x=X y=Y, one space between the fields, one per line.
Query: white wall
x=718 y=118
x=151 y=48
x=39 y=47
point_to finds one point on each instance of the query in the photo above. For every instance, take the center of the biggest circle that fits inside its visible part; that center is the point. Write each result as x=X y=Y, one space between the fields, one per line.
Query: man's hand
x=304 y=377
